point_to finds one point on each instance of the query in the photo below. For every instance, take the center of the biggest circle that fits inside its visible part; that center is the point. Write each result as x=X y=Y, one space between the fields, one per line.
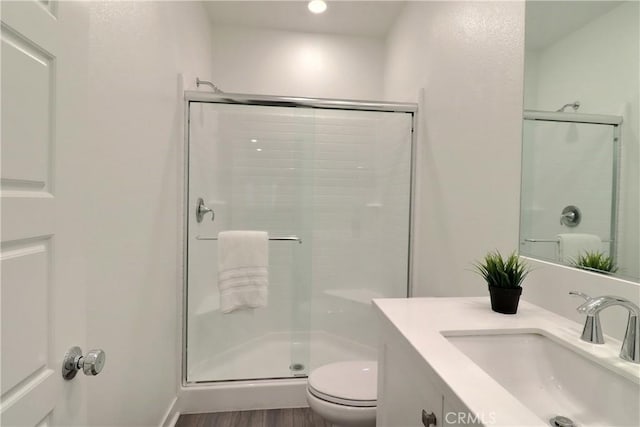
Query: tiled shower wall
x=339 y=180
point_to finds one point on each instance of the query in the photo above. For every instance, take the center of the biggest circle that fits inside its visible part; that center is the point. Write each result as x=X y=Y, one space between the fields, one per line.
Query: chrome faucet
x=592 y=331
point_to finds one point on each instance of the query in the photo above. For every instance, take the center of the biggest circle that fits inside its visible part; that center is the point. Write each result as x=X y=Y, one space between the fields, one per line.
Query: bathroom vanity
x=453 y=361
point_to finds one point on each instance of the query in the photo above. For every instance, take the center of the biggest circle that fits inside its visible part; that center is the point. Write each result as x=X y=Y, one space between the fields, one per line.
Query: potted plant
x=504 y=277
x=595 y=261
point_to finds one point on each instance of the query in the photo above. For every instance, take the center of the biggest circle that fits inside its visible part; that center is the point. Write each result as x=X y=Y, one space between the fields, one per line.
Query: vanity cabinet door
x=454 y=413
x=405 y=387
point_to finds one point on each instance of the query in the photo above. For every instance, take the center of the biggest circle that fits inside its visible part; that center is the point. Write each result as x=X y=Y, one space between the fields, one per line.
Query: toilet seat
x=346 y=383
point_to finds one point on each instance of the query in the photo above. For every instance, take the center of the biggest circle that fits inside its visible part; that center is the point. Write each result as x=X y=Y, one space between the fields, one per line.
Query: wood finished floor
x=297 y=417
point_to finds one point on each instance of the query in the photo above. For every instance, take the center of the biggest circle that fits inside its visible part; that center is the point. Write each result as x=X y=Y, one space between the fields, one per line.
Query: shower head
x=215 y=88
x=575 y=105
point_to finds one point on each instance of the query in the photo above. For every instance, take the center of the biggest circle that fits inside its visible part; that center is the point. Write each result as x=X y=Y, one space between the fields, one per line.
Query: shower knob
x=91 y=364
x=570 y=216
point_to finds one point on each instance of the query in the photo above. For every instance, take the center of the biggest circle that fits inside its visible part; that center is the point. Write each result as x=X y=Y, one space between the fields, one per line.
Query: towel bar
x=292 y=238
x=554 y=241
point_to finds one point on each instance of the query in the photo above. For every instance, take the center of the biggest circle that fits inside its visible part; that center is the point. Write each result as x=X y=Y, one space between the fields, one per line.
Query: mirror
x=580 y=198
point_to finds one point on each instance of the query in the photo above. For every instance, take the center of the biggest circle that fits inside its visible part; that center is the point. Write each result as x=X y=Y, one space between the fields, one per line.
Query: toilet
x=345 y=393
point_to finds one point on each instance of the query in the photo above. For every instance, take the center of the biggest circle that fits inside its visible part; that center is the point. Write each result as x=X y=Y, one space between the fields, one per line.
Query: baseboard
x=171 y=415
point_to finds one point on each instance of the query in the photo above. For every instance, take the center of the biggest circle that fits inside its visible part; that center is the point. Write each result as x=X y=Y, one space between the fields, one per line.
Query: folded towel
x=243 y=257
x=574 y=244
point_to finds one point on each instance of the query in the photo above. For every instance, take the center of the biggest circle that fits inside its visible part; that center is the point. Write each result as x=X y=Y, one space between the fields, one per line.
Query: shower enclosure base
x=242 y=396
x=275 y=355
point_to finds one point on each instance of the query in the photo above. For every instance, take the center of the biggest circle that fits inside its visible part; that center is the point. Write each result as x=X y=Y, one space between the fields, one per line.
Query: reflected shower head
x=575 y=105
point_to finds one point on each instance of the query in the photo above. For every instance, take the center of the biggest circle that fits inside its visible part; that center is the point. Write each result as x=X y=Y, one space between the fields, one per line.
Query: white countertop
x=422 y=321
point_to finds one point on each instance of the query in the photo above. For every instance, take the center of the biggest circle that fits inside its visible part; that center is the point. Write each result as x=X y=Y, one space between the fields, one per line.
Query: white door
x=44 y=72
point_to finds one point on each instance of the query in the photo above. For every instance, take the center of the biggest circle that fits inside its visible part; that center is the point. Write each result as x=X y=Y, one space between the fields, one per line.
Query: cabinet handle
x=429 y=420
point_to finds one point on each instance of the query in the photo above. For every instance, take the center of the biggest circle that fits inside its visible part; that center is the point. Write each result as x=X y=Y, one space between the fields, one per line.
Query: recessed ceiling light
x=317 y=6
x=258 y=149
x=254 y=140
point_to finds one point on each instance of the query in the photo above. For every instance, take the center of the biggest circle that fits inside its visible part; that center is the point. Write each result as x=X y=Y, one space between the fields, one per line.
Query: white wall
x=468 y=57
x=137 y=51
x=598 y=65
x=266 y=62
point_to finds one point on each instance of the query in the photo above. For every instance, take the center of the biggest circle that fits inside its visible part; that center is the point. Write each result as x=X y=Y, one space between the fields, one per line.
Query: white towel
x=243 y=257
x=574 y=244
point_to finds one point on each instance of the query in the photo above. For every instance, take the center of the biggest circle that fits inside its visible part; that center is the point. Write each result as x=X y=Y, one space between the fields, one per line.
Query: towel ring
x=202 y=210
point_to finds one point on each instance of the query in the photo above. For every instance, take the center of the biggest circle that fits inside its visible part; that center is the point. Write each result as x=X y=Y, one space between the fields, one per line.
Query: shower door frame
x=593 y=119
x=292 y=102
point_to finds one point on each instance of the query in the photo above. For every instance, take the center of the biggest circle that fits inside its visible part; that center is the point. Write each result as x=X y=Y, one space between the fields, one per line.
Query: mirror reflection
x=580 y=155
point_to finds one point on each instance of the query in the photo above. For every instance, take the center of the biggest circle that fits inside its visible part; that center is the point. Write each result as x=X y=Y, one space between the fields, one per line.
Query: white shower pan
x=272 y=356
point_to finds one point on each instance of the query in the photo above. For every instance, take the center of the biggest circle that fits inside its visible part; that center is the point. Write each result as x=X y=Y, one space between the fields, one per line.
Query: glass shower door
x=250 y=165
x=339 y=181
x=567 y=165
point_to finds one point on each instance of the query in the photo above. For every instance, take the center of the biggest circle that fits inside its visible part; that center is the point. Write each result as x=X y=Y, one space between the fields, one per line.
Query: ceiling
x=547 y=22
x=357 y=18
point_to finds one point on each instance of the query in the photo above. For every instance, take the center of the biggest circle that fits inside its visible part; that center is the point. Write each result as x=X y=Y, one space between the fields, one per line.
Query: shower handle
x=202 y=210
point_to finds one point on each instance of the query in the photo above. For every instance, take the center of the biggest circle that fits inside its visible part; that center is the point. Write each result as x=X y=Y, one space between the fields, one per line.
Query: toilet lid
x=352 y=383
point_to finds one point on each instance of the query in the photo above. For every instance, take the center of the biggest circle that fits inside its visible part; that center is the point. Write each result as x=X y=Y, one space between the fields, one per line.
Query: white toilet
x=345 y=393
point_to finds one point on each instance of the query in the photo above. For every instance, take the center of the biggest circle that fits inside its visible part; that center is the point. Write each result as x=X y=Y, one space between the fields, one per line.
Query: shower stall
x=331 y=182
x=569 y=180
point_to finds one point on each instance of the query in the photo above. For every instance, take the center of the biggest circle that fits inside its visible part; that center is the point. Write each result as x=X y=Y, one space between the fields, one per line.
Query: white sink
x=552 y=380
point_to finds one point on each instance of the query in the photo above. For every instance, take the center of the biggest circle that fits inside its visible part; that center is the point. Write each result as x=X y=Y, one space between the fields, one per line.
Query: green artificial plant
x=502 y=272
x=597 y=261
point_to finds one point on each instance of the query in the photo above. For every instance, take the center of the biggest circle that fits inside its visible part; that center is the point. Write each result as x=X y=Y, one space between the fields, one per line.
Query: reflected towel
x=574 y=244
x=243 y=257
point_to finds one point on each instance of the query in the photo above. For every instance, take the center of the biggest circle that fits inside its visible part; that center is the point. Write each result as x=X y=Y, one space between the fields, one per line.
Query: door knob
x=91 y=364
